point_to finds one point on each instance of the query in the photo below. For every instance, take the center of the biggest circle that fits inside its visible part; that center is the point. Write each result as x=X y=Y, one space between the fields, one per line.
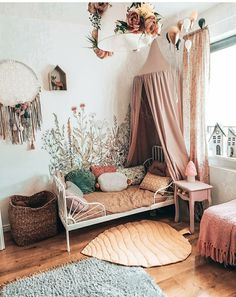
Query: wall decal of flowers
x=86 y=141
x=140 y=18
x=96 y=10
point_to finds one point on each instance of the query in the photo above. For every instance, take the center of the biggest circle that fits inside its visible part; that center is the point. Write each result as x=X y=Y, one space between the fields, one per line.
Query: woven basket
x=36 y=221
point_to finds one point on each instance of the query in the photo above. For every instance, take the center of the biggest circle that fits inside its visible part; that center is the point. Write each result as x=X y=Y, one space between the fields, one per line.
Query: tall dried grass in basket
x=33 y=218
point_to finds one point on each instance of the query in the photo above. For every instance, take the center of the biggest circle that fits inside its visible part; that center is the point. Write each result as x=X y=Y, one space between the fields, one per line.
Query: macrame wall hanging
x=20 y=109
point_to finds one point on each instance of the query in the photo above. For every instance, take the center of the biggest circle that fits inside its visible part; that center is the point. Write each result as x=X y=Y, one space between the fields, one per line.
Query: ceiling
x=169 y=9
x=77 y=12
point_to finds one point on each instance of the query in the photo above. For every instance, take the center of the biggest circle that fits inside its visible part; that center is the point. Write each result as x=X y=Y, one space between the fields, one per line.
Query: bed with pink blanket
x=217 y=238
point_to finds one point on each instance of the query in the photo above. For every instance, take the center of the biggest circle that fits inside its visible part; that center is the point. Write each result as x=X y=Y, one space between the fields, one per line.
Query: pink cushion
x=98 y=170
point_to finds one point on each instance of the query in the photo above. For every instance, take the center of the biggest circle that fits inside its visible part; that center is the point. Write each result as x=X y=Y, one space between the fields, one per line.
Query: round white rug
x=146 y=243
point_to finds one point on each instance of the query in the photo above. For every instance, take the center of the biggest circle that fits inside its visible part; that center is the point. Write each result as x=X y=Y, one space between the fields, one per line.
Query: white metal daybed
x=73 y=218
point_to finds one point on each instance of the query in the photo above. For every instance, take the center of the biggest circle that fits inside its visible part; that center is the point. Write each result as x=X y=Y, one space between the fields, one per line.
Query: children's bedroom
x=118 y=149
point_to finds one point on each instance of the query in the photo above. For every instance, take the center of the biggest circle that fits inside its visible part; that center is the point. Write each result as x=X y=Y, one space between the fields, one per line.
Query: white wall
x=221 y=20
x=103 y=85
x=223 y=182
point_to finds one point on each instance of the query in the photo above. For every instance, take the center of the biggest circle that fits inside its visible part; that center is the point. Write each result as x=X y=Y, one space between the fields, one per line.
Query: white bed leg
x=68 y=241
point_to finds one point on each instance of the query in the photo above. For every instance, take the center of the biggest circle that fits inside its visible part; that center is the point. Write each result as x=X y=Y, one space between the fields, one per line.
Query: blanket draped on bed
x=126 y=200
x=217 y=238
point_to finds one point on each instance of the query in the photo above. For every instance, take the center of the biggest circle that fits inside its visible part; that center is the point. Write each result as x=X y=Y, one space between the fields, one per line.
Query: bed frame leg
x=68 y=241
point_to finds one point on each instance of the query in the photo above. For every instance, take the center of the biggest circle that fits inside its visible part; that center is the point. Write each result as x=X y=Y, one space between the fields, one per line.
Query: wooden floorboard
x=193 y=277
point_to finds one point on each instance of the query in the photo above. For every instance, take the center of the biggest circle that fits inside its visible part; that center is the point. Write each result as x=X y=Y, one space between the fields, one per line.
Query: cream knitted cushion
x=112 y=182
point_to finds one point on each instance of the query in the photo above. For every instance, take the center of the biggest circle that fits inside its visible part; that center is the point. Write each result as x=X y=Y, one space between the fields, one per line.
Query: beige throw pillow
x=153 y=182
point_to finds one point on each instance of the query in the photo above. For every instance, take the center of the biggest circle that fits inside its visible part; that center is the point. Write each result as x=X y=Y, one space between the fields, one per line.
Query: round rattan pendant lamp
x=110 y=41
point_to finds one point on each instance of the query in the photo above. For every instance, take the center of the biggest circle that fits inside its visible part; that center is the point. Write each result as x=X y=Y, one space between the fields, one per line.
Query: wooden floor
x=193 y=277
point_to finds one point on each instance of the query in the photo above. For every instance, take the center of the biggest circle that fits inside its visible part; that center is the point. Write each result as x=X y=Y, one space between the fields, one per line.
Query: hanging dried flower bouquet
x=96 y=10
x=140 y=18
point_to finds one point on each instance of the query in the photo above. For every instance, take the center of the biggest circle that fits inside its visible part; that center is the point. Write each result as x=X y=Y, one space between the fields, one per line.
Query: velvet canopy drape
x=158 y=92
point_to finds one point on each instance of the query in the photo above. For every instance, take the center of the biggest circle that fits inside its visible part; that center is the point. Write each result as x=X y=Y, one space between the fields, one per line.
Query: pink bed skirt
x=217 y=238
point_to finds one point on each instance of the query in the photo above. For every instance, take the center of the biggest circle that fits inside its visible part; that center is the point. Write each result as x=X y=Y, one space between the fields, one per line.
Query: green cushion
x=84 y=179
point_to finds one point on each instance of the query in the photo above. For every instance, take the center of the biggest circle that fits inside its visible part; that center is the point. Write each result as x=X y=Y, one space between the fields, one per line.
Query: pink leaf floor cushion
x=217 y=238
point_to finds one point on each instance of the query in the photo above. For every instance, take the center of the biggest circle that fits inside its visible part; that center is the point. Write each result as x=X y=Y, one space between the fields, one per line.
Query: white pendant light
x=110 y=41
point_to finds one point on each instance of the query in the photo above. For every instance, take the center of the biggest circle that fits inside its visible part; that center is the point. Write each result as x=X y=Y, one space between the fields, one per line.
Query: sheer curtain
x=196 y=71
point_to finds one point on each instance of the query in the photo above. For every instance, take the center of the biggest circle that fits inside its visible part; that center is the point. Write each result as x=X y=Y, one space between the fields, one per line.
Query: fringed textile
x=217 y=237
x=20 y=122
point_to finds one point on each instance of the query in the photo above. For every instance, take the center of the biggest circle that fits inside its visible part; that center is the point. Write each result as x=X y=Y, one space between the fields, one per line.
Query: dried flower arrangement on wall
x=96 y=10
x=88 y=141
x=20 y=109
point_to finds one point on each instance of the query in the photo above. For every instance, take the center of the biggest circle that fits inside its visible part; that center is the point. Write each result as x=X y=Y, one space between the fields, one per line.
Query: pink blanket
x=217 y=238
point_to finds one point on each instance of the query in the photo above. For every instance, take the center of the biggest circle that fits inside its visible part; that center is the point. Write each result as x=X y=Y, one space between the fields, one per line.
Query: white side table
x=2 y=243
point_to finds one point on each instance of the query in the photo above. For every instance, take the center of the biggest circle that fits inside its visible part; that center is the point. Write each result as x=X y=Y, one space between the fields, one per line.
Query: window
x=218 y=150
x=231 y=152
x=221 y=103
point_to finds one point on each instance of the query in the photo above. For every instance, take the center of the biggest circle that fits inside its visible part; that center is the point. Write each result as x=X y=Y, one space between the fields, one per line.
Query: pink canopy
x=156 y=117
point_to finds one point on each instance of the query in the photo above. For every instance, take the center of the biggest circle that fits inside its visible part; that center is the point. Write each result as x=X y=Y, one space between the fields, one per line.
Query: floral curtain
x=196 y=71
